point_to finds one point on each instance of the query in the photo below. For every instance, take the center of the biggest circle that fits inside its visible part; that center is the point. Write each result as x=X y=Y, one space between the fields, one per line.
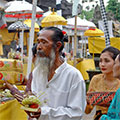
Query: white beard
x=41 y=72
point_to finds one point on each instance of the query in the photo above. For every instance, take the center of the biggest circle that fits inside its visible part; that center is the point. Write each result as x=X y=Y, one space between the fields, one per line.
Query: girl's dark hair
x=57 y=36
x=112 y=50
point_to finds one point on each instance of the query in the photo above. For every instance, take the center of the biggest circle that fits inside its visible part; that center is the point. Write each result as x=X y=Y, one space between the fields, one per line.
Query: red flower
x=1 y=76
x=34 y=105
x=92 y=29
x=63 y=32
x=1 y=63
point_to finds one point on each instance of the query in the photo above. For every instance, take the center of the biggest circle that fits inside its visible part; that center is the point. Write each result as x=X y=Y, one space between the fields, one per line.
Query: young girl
x=114 y=109
x=105 y=82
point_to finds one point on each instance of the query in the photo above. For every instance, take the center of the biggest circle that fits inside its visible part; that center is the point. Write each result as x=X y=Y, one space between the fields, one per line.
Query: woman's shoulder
x=97 y=77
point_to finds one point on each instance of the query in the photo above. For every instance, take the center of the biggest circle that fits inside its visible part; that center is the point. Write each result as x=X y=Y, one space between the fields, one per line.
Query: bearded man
x=63 y=85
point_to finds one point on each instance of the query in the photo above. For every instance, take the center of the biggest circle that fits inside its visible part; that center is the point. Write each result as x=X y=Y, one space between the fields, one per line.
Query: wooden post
x=75 y=41
x=31 y=37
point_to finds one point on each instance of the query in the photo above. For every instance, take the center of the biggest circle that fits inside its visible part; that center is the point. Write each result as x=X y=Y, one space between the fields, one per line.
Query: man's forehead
x=42 y=38
x=45 y=35
x=48 y=32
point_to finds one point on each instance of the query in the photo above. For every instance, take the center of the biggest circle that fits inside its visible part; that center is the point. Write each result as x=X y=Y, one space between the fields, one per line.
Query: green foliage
x=87 y=14
x=114 y=7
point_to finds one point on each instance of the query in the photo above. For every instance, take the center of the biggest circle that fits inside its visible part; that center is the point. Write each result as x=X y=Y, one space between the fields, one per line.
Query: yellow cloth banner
x=85 y=65
x=115 y=42
x=11 y=111
x=8 y=37
x=25 y=69
x=97 y=44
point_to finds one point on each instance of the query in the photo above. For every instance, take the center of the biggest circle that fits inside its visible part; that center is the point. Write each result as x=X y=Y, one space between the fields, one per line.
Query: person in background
x=34 y=53
x=105 y=82
x=114 y=108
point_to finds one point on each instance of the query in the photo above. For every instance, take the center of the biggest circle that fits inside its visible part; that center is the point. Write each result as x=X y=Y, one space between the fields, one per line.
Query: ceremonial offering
x=14 y=54
x=11 y=70
x=11 y=65
x=5 y=95
x=100 y=98
x=11 y=77
x=31 y=103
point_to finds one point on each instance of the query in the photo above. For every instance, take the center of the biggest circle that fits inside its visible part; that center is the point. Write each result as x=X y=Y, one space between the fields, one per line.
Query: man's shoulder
x=73 y=73
x=72 y=70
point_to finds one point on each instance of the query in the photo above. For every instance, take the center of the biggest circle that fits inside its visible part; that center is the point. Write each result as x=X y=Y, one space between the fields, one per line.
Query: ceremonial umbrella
x=28 y=23
x=21 y=9
x=18 y=26
x=94 y=32
x=80 y=22
x=53 y=19
x=3 y=23
x=47 y=13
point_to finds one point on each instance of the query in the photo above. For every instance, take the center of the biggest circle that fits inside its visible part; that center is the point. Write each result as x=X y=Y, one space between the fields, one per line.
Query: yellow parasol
x=28 y=23
x=53 y=19
x=93 y=32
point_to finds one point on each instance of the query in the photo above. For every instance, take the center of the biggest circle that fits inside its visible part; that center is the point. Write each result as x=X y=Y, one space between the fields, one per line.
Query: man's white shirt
x=65 y=95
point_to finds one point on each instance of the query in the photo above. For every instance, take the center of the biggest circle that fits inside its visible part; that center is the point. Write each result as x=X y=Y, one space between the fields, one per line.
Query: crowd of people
x=63 y=84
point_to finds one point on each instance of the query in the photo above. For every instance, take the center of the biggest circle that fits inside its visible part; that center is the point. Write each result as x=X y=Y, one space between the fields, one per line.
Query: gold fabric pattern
x=98 y=84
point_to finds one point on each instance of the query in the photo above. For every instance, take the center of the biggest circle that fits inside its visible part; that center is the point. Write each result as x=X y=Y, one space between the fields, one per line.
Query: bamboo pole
x=22 y=44
x=31 y=37
x=75 y=41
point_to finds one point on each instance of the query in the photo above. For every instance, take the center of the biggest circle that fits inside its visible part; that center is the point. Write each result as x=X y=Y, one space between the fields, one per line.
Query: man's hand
x=28 y=93
x=34 y=114
x=8 y=85
x=14 y=91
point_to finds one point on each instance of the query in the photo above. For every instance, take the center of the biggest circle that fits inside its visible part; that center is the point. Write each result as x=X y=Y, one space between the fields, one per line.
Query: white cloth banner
x=75 y=7
x=101 y=27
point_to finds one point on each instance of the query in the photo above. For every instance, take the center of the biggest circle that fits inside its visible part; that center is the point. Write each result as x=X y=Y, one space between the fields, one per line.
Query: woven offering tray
x=31 y=103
